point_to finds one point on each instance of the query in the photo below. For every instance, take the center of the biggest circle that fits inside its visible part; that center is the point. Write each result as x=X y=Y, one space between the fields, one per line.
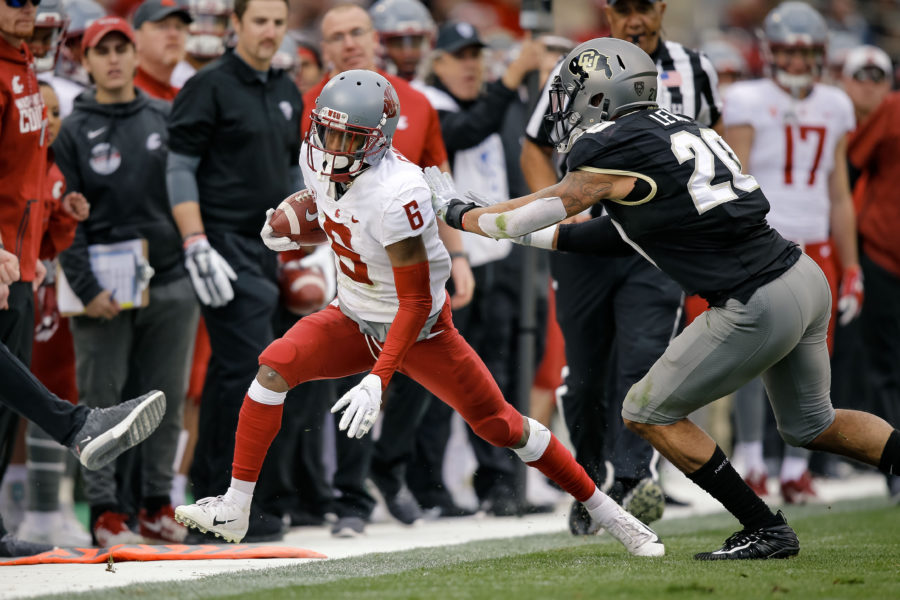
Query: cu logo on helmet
x=590 y=60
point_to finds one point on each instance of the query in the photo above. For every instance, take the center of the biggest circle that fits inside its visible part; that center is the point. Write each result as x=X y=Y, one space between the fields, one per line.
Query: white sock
x=241 y=492
x=793 y=467
x=602 y=508
x=751 y=454
x=179 y=485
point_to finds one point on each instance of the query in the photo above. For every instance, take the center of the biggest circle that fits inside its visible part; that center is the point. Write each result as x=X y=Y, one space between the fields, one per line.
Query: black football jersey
x=701 y=220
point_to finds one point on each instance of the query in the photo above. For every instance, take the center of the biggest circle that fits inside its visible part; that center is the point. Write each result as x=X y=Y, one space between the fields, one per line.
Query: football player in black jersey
x=674 y=192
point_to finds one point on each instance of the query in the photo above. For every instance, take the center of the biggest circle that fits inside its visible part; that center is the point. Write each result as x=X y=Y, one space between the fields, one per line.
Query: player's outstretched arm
x=578 y=191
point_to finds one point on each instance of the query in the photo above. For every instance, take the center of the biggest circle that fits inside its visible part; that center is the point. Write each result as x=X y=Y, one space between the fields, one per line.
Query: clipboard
x=121 y=267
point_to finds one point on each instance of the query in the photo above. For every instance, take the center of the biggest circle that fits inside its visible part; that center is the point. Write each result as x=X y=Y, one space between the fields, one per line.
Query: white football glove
x=210 y=273
x=362 y=401
x=276 y=243
x=479 y=199
x=443 y=190
x=322 y=258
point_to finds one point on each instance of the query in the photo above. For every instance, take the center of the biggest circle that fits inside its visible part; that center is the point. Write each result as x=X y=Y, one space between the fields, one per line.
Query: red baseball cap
x=100 y=28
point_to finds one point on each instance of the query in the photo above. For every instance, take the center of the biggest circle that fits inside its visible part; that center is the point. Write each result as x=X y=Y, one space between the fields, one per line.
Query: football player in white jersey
x=790 y=132
x=391 y=314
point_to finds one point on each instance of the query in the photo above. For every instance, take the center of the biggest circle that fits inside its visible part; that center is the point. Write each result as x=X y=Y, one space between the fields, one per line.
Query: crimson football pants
x=328 y=344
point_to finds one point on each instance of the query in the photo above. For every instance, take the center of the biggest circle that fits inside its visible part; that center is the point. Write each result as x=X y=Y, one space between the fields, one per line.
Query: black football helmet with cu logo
x=600 y=80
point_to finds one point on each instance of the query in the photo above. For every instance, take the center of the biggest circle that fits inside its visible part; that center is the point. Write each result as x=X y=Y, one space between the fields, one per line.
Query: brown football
x=297 y=217
x=302 y=289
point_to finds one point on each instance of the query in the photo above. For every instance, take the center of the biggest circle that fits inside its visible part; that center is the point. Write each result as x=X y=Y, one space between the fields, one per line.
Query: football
x=298 y=219
x=302 y=289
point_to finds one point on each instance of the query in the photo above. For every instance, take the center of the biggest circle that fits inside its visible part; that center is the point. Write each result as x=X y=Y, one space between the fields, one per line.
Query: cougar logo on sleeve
x=590 y=60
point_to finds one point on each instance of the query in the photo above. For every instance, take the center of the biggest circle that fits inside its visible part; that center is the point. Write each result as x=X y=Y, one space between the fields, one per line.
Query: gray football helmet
x=44 y=44
x=209 y=30
x=401 y=17
x=81 y=14
x=352 y=125
x=725 y=57
x=793 y=26
x=600 y=80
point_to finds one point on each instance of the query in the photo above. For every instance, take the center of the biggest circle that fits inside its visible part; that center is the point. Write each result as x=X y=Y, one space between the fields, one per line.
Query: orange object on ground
x=147 y=552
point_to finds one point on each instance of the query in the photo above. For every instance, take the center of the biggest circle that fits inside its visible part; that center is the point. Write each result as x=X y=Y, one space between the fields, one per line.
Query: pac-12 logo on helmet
x=590 y=60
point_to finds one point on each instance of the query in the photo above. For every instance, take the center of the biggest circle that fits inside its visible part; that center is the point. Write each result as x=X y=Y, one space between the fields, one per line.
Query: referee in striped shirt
x=618 y=314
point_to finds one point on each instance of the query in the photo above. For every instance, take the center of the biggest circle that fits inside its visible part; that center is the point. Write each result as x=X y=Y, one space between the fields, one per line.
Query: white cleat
x=637 y=538
x=218 y=515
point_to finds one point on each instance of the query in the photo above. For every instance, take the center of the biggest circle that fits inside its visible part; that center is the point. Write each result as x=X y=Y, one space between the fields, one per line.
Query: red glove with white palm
x=851 y=295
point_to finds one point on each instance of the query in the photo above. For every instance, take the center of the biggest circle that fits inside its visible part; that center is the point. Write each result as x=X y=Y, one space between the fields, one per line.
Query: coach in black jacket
x=235 y=140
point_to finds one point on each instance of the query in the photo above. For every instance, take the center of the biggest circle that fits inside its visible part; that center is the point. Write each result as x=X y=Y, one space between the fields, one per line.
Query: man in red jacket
x=23 y=155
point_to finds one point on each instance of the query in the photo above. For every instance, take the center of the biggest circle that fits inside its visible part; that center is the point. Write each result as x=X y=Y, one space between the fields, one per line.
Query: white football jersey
x=385 y=204
x=792 y=156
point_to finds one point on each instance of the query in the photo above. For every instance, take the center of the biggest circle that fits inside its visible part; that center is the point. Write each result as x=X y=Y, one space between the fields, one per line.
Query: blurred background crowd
x=469 y=75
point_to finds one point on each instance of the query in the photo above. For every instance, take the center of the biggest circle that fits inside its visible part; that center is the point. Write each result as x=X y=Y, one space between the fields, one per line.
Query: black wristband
x=464 y=255
x=455 y=211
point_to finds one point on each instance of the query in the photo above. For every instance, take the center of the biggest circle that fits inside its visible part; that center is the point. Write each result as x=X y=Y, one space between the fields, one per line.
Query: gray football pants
x=145 y=348
x=750 y=416
x=780 y=334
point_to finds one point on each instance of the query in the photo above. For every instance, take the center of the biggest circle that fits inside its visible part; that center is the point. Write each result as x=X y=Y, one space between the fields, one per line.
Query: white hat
x=867 y=56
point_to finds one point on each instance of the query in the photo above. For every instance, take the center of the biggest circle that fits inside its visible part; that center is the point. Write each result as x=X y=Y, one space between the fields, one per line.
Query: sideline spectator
x=112 y=148
x=875 y=149
x=53 y=361
x=208 y=31
x=160 y=29
x=406 y=31
x=234 y=153
x=23 y=172
x=70 y=79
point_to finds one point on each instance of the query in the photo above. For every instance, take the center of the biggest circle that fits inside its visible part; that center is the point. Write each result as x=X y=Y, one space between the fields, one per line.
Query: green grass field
x=848 y=550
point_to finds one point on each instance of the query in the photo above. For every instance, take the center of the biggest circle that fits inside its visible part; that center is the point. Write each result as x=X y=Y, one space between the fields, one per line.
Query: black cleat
x=775 y=541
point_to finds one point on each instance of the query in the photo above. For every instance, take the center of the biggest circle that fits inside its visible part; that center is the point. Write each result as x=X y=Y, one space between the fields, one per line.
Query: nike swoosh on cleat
x=217 y=522
x=154 y=527
x=733 y=550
